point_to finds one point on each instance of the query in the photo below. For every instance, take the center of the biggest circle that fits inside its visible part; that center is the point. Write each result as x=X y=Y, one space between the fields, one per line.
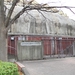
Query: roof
x=42 y=23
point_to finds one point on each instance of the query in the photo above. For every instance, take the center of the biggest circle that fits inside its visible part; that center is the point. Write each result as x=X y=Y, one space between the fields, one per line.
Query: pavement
x=56 y=66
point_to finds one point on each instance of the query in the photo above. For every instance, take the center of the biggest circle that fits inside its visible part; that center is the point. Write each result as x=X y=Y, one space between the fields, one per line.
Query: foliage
x=7 y=68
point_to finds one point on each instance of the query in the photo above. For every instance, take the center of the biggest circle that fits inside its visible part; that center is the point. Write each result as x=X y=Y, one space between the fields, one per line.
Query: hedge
x=8 y=68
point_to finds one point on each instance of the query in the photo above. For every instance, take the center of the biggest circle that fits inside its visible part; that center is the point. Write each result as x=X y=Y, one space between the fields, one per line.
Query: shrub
x=7 y=68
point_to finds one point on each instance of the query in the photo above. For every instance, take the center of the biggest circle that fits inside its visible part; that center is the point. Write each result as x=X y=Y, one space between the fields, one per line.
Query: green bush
x=7 y=68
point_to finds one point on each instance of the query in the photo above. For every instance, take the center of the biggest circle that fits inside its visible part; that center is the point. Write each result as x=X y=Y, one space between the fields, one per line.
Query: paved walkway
x=59 y=66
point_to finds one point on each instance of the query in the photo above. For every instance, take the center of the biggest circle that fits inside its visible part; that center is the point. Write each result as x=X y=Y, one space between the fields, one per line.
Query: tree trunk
x=3 y=48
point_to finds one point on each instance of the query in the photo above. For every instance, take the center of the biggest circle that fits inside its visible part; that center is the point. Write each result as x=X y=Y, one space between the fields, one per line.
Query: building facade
x=56 y=32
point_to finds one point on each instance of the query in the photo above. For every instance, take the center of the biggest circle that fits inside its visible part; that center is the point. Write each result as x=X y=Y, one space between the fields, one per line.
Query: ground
x=56 y=66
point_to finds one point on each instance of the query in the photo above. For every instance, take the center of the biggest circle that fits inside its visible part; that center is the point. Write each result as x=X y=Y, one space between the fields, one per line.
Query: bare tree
x=6 y=21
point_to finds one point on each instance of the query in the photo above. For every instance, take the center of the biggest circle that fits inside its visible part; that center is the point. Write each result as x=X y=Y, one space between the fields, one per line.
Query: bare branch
x=59 y=7
x=42 y=14
x=43 y=8
x=16 y=17
x=10 y=12
x=37 y=7
x=31 y=7
x=30 y=2
x=30 y=15
x=68 y=7
x=71 y=10
x=19 y=14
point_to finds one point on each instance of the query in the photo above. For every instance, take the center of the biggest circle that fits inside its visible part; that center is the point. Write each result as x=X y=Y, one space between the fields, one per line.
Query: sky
x=61 y=3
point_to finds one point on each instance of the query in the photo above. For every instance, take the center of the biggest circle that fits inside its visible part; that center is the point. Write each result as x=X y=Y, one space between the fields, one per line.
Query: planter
x=21 y=73
x=20 y=66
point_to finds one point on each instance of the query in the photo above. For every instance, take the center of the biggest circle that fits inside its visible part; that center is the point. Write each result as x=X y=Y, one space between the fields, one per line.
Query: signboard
x=30 y=43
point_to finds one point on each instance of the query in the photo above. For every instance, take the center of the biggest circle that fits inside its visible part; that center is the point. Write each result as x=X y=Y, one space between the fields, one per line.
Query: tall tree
x=6 y=21
x=3 y=50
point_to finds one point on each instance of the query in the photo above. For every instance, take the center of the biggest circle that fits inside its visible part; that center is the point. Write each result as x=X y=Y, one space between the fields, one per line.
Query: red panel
x=12 y=45
x=47 y=47
x=9 y=50
x=65 y=42
x=33 y=38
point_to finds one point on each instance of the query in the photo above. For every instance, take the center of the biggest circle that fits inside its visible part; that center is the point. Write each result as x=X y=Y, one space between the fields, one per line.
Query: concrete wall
x=28 y=51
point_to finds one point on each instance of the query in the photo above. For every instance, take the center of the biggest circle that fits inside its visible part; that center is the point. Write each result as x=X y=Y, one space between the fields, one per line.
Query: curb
x=22 y=68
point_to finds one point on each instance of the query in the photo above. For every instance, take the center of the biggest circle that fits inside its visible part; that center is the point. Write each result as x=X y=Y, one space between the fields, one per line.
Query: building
x=55 y=31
